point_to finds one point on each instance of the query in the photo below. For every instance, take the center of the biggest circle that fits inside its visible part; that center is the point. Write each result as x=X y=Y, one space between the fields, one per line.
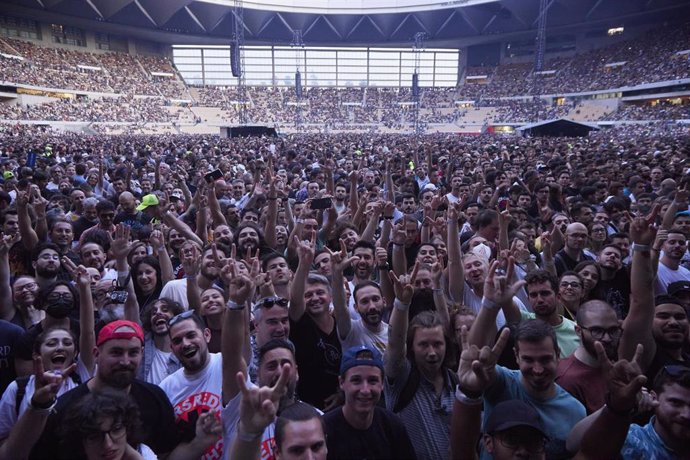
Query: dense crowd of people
x=345 y=296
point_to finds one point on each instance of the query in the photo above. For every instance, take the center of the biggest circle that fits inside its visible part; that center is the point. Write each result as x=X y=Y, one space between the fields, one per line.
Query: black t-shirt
x=157 y=421
x=80 y=225
x=318 y=360
x=616 y=292
x=386 y=438
x=12 y=346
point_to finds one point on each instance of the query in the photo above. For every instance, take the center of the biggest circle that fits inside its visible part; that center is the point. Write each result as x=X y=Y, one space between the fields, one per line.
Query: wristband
x=490 y=304
x=234 y=306
x=398 y=305
x=46 y=407
x=641 y=247
x=246 y=437
x=384 y=266
x=624 y=414
x=398 y=244
x=468 y=400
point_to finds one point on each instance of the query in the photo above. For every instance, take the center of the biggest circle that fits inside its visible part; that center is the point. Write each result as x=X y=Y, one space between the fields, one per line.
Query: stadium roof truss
x=325 y=22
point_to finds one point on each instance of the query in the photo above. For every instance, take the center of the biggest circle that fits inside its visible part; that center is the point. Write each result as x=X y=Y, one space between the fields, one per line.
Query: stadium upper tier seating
x=649 y=58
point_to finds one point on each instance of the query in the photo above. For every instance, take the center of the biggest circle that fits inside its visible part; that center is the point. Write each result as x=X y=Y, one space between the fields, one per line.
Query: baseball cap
x=677 y=287
x=7 y=175
x=120 y=329
x=683 y=213
x=148 y=200
x=511 y=414
x=360 y=355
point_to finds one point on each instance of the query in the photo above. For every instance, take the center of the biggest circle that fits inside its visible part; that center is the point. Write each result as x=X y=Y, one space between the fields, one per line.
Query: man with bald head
x=579 y=374
x=576 y=235
x=128 y=213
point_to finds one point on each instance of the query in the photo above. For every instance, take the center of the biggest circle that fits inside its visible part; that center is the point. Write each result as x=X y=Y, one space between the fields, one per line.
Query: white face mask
x=483 y=251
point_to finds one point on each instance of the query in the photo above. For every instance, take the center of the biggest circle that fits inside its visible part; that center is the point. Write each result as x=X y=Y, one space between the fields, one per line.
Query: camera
x=117 y=296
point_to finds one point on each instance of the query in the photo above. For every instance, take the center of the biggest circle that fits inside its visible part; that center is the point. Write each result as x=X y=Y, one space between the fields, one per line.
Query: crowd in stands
x=350 y=295
x=660 y=111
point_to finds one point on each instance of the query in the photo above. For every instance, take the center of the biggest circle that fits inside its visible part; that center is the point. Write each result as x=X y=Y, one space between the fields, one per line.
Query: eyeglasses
x=27 y=287
x=516 y=439
x=181 y=317
x=115 y=433
x=572 y=284
x=57 y=296
x=269 y=302
x=599 y=332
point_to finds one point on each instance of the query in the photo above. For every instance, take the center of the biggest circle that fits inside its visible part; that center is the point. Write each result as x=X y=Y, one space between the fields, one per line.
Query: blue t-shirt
x=643 y=443
x=558 y=414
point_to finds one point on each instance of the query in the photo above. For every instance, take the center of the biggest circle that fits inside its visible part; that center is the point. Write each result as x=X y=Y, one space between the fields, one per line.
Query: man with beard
x=576 y=236
x=248 y=238
x=88 y=217
x=222 y=234
x=276 y=266
x=541 y=289
x=580 y=373
x=196 y=387
x=415 y=374
x=106 y=213
x=159 y=360
x=118 y=353
x=609 y=432
x=46 y=263
x=670 y=269
x=360 y=428
x=175 y=242
x=660 y=324
x=128 y=213
x=276 y=358
x=93 y=253
x=614 y=283
x=536 y=352
x=363 y=270
x=176 y=290
x=369 y=329
x=313 y=331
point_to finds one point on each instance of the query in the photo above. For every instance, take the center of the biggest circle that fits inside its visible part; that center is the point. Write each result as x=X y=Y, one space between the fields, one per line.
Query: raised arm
x=6 y=244
x=191 y=264
x=239 y=289
x=119 y=248
x=637 y=327
x=603 y=433
x=498 y=294
x=465 y=428
x=679 y=203
x=173 y=222
x=477 y=368
x=504 y=219
x=305 y=252
x=399 y=257
x=439 y=296
x=456 y=271
x=271 y=213
x=217 y=217
x=339 y=262
x=87 y=334
x=157 y=240
x=394 y=358
x=29 y=236
x=372 y=224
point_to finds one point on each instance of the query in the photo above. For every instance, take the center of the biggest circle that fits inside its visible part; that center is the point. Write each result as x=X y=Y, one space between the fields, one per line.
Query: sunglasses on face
x=181 y=317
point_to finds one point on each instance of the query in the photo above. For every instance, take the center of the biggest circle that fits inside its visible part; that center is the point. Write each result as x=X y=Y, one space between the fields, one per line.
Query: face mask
x=60 y=309
x=482 y=250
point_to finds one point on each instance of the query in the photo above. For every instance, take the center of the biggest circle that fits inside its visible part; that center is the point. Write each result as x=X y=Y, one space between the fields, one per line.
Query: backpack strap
x=22 y=382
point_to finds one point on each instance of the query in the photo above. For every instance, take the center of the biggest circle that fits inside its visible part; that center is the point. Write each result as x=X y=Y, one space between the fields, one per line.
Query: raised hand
x=436 y=272
x=399 y=234
x=496 y=287
x=381 y=256
x=190 y=259
x=259 y=406
x=47 y=383
x=643 y=229
x=240 y=286
x=7 y=241
x=403 y=286
x=120 y=244
x=157 y=240
x=305 y=249
x=209 y=427
x=661 y=237
x=339 y=259
x=477 y=368
x=624 y=379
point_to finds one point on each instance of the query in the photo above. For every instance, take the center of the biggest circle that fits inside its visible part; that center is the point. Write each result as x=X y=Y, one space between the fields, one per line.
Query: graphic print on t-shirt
x=188 y=411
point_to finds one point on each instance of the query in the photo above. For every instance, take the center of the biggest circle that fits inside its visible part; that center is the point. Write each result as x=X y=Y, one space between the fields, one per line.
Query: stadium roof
x=353 y=22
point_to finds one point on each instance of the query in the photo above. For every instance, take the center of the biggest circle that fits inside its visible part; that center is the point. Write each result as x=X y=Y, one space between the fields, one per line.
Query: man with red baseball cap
x=118 y=354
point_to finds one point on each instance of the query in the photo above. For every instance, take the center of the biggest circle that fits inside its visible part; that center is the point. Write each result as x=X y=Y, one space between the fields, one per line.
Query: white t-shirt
x=159 y=366
x=8 y=408
x=360 y=335
x=666 y=276
x=176 y=290
x=198 y=393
